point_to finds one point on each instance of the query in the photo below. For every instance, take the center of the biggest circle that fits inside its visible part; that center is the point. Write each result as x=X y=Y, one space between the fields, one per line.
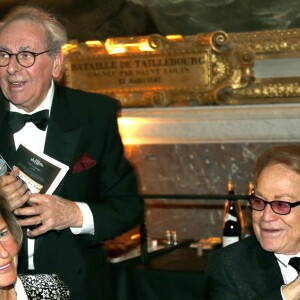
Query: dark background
x=100 y=19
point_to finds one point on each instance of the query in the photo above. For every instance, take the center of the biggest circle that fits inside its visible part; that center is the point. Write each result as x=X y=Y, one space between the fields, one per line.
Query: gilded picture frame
x=206 y=69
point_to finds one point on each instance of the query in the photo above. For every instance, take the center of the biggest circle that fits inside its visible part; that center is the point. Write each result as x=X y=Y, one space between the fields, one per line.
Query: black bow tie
x=295 y=263
x=17 y=121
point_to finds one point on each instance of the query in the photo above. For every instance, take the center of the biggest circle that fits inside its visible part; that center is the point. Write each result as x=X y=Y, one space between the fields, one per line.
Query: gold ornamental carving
x=204 y=69
x=161 y=71
x=271 y=43
x=277 y=87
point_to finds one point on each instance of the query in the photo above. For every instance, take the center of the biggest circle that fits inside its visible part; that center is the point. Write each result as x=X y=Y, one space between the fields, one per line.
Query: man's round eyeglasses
x=25 y=58
x=279 y=207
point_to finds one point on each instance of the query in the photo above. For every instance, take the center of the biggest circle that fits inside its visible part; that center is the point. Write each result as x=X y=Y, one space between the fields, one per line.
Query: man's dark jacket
x=243 y=271
x=83 y=123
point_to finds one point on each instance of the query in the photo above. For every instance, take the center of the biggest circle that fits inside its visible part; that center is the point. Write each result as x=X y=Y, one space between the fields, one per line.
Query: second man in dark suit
x=267 y=265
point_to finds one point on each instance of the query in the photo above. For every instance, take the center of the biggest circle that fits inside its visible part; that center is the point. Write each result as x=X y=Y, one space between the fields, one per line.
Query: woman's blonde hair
x=11 y=222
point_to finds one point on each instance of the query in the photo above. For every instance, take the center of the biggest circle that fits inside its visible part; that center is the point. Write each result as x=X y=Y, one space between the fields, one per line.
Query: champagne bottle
x=248 y=229
x=232 y=219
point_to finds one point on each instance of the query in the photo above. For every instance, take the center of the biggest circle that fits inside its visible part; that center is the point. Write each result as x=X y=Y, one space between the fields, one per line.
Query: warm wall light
x=144 y=46
x=122 y=45
x=129 y=128
x=135 y=236
x=211 y=124
x=69 y=48
x=174 y=37
x=114 y=48
x=93 y=44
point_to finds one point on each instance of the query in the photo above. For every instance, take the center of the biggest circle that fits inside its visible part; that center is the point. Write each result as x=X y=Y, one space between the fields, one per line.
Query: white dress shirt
x=288 y=272
x=34 y=139
x=20 y=291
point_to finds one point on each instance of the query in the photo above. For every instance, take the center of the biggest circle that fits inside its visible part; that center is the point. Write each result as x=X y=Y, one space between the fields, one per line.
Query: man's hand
x=13 y=190
x=49 y=212
x=291 y=291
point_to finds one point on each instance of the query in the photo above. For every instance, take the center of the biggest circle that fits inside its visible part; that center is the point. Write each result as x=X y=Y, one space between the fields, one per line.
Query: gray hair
x=57 y=34
x=288 y=155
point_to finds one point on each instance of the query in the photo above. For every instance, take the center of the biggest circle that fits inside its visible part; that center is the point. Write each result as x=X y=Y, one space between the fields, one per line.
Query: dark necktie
x=295 y=263
x=17 y=121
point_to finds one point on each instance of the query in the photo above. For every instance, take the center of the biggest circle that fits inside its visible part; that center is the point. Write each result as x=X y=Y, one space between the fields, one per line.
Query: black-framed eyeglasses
x=279 y=207
x=25 y=58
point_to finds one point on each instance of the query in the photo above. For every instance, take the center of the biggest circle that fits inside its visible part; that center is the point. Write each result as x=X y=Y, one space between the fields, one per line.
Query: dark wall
x=94 y=19
x=100 y=19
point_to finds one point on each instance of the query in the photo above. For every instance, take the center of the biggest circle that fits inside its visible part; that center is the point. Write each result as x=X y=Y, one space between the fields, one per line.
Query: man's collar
x=284 y=259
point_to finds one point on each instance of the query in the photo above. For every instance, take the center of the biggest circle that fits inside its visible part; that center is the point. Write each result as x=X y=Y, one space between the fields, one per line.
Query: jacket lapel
x=267 y=267
x=7 y=145
x=63 y=135
x=64 y=130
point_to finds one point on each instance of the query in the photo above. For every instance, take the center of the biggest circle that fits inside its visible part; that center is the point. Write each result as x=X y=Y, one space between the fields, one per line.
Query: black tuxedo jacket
x=243 y=271
x=83 y=123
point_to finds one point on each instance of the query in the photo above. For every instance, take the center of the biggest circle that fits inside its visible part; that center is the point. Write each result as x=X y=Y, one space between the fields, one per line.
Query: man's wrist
x=87 y=220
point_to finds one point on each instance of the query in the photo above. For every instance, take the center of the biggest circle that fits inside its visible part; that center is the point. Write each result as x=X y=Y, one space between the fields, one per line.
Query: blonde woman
x=22 y=287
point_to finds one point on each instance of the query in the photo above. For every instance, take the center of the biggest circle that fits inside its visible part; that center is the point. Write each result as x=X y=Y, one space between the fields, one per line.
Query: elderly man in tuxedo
x=267 y=265
x=98 y=198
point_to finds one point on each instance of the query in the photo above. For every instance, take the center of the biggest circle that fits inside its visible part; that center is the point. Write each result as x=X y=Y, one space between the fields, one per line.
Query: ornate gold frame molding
x=205 y=69
x=273 y=46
